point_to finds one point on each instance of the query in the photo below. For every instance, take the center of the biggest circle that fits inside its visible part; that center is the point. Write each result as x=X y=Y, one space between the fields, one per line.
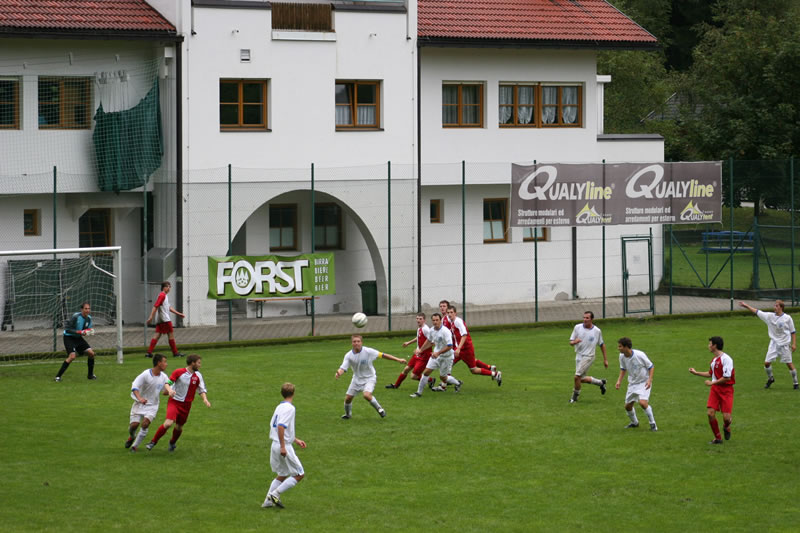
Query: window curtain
x=506 y=104
x=569 y=110
x=469 y=101
x=366 y=115
x=525 y=105
x=449 y=101
x=549 y=104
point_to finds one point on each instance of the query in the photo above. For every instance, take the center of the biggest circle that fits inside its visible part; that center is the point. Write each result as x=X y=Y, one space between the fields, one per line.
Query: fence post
x=389 y=241
x=791 y=216
x=463 y=239
x=604 y=243
x=230 y=248
x=730 y=212
x=535 y=267
x=756 y=253
x=313 y=249
x=671 y=269
x=55 y=245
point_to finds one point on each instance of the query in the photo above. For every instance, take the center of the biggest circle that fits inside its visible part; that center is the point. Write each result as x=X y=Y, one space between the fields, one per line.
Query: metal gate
x=637 y=275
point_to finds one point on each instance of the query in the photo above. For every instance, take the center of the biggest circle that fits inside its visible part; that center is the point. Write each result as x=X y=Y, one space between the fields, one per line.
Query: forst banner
x=612 y=194
x=240 y=276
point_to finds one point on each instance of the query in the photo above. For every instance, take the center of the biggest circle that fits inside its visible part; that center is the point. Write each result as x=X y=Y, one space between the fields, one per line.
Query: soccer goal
x=41 y=289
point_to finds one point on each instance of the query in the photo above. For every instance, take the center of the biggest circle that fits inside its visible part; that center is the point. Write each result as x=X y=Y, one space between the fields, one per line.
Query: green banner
x=239 y=276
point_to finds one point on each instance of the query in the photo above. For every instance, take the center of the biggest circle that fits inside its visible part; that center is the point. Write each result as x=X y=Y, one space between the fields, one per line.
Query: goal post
x=41 y=289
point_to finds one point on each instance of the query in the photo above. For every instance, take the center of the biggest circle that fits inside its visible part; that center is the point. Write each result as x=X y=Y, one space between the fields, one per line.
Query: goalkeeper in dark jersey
x=75 y=330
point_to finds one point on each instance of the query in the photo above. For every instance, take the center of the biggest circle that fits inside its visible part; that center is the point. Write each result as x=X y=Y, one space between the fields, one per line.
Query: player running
x=417 y=362
x=441 y=358
x=720 y=397
x=465 y=351
x=145 y=391
x=780 y=327
x=586 y=337
x=640 y=381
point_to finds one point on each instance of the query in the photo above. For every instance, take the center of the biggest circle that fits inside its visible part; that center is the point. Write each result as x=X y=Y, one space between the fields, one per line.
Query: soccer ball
x=359 y=320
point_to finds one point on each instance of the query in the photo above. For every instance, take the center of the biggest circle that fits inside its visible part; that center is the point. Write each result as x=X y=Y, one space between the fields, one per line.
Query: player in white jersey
x=782 y=340
x=359 y=359
x=585 y=338
x=640 y=381
x=441 y=358
x=145 y=391
x=284 y=462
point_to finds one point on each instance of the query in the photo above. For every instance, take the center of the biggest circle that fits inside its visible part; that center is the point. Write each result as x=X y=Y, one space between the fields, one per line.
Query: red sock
x=481 y=364
x=715 y=428
x=400 y=379
x=152 y=345
x=159 y=433
x=173 y=346
x=176 y=434
x=485 y=372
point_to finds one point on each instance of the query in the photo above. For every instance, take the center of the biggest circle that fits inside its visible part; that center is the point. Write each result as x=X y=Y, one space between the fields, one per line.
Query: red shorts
x=468 y=356
x=720 y=398
x=178 y=411
x=419 y=362
x=164 y=327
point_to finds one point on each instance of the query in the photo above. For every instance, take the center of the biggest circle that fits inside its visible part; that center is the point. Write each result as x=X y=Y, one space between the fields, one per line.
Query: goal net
x=40 y=290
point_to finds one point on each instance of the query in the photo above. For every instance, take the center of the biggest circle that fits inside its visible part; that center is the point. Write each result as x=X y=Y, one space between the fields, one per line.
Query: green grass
x=510 y=458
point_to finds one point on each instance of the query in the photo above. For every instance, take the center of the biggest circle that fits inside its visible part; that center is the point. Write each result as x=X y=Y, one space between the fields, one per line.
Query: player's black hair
x=165 y=284
x=453 y=307
x=444 y=302
x=589 y=313
x=626 y=342
x=421 y=314
x=436 y=314
x=191 y=358
x=84 y=304
x=287 y=390
x=157 y=357
x=717 y=341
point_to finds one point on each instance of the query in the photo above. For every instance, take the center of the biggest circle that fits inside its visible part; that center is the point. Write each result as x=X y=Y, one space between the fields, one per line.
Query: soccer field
x=513 y=458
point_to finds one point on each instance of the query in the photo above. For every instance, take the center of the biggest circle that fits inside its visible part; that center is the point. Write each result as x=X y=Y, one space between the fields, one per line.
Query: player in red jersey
x=720 y=398
x=163 y=321
x=443 y=306
x=186 y=381
x=464 y=350
x=417 y=363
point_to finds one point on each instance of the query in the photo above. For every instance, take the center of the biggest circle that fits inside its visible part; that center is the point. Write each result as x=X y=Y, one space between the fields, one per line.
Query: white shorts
x=782 y=351
x=146 y=410
x=358 y=385
x=442 y=363
x=284 y=466
x=637 y=392
x=582 y=365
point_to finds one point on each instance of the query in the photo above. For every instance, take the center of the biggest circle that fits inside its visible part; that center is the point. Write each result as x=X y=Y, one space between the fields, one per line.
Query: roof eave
x=92 y=35
x=464 y=42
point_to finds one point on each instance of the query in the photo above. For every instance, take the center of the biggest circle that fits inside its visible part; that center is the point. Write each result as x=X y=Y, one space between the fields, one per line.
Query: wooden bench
x=259 y=302
x=720 y=241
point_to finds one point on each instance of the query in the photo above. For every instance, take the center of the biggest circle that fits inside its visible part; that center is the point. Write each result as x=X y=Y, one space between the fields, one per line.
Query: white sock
x=596 y=381
x=374 y=403
x=794 y=375
x=287 y=484
x=348 y=408
x=422 y=384
x=274 y=485
x=769 y=371
x=140 y=437
x=649 y=413
x=632 y=416
x=451 y=380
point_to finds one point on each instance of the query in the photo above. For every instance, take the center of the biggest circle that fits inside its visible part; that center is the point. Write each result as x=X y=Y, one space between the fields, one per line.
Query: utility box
x=160 y=264
x=369 y=297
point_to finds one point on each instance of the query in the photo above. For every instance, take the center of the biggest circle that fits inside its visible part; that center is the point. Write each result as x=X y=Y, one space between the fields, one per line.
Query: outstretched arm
x=749 y=307
x=393 y=358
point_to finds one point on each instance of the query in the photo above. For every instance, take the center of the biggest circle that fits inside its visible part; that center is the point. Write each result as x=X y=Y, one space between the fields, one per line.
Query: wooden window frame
x=325 y=246
x=438 y=219
x=63 y=103
x=293 y=246
x=353 y=105
x=541 y=238
x=505 y=220
x=15 y=102
x=459 y=105
x=539 y=107
x=106 y=229
x=515 y=105
x=36 y=230
x=240 y=125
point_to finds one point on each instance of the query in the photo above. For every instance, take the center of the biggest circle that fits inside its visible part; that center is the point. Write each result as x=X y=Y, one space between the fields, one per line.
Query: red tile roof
x=81 y=15
x=581 y=21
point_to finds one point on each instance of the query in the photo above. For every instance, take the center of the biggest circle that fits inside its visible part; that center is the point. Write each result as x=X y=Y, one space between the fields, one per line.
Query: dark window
x=517 y=105
x=283 y=227
x=150 y=224
x=65 y=103
x=94 y=228
x=327 y=227
x=561 y=105
x=436 y=211
x=9 y=103
x=302 y=16
x=495 y=221
x=243 y=104
x=462 y=105
x=31 y=222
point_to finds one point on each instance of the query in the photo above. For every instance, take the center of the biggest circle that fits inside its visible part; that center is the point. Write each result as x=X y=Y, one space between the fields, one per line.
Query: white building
x=270 y=88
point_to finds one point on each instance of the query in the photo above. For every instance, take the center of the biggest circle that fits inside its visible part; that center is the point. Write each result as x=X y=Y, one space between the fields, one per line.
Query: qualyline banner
x=239 y=276
x=610 y=194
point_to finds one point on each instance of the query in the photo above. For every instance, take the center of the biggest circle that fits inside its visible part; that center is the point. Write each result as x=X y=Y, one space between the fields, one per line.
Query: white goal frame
x=116 y=276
